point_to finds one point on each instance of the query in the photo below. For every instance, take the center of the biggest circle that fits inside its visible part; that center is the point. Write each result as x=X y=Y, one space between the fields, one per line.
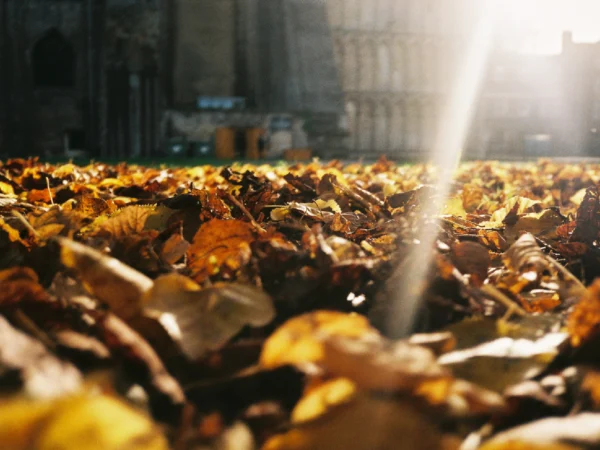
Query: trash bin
x=225 y=143
x=177 y=146
x=203 y=150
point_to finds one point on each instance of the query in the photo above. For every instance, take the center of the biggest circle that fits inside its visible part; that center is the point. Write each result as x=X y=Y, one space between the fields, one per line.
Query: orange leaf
x=584 y=319
x=217 y=242
x=18 y=284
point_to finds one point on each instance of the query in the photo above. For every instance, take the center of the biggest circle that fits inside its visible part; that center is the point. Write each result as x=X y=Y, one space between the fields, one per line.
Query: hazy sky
x=542 y=22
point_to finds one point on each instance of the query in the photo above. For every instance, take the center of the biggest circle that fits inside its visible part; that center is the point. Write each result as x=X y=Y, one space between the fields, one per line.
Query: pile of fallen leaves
x=254 y=307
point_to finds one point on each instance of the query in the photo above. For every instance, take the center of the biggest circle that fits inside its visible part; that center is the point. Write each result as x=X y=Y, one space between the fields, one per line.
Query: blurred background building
x=399 y=60
x=135 y=78
x=345 y=78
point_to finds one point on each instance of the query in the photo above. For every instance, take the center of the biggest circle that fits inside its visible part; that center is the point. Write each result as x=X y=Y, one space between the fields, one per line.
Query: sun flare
x=536 y=26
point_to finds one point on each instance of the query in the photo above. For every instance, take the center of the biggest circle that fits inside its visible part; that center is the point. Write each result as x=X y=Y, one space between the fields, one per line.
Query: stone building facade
x=399 y=60
x=81 y=75
x=118 y=78
x=348 y=78
x=539 y=105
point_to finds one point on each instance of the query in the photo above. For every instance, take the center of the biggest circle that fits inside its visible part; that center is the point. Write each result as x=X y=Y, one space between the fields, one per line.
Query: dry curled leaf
x=26 y=361
x=108 y=279
x=378 y=365
x=525 y=255
x=473 y=259
x=127 y=221
x=205 y=319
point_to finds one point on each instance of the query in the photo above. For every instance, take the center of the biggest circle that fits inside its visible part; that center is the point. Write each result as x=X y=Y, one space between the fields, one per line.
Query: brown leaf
x=19 y=284
x=174 y=249
x=218 y=242
x=472 y=196
x=42 y=374
x=585 y=318
x=128 y=221
x=91 y=206
x=139 y=356
x=525 y=255
x=367 y=422
x=378 y=365
x=473 y=259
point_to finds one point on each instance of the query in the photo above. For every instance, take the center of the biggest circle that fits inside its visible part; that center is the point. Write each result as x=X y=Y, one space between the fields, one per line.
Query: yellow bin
x=252 y=135
x=225 y=143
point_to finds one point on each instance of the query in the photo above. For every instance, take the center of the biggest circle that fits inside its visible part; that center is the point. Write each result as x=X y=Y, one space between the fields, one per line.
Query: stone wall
x=36 y=117
x=204 y=49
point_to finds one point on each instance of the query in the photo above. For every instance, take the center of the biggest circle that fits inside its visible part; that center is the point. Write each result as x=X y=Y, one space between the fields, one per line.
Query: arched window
x=365 y=127
x=350 y=67
x=367 y=66
x=335 y=13
x=397 y=129
x=352 y=123
x=413 y=128
x=383 y=67
x=381 y=125
x=398 y=67
x=414 y=64
x=53 y=61
x=367 y=15
x=351 y=14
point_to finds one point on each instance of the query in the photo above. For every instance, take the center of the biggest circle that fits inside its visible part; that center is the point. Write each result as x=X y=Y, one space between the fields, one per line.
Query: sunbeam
x=450 y=137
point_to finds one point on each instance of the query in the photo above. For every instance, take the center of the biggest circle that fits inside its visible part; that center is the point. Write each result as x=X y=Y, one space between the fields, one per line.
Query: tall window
x=383 y=67
x=53 y=61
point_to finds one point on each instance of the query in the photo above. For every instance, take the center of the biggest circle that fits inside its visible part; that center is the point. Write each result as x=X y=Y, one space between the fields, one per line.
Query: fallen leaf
x=42 y=374
x=300 y=340
x=217 y=242
x=504 y=361
x=205 y=319
x=321 y=399
x=71 y=423
x=562 y=433
x=127 y=221
x=585 y=317
x=112 y=282
x=365 y=423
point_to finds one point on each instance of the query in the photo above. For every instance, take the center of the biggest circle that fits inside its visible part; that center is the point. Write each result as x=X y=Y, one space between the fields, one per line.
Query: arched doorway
x=53 y=61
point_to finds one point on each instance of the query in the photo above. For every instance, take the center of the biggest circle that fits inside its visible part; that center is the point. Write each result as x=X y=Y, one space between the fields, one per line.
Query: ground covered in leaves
x=254 y=307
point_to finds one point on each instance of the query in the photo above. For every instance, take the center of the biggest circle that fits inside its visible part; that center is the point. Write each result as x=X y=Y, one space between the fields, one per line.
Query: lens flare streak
x=450 y=137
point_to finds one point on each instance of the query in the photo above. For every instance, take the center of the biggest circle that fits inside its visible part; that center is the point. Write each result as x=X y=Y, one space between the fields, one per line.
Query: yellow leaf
x=454 y=207
x=6 y=188
x=322 y=398
x=300 y=340
x=77 y=423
